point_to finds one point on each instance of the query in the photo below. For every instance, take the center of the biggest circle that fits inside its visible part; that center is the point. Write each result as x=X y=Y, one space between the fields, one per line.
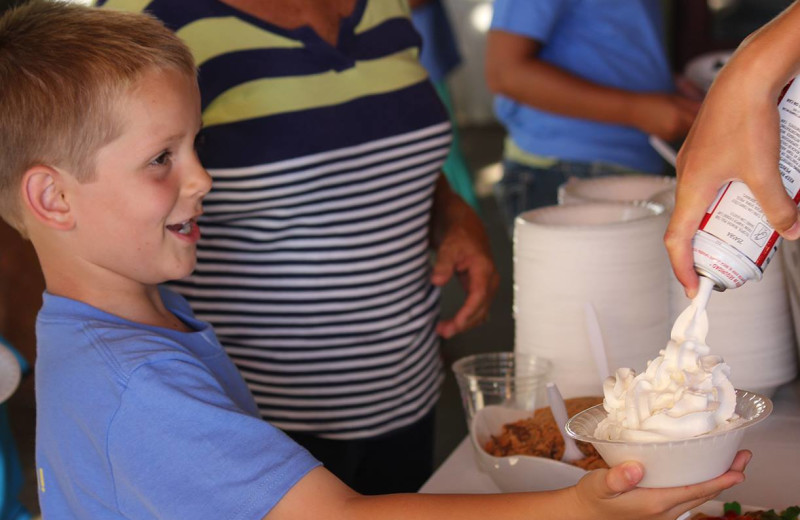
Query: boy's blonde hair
x=63 y=69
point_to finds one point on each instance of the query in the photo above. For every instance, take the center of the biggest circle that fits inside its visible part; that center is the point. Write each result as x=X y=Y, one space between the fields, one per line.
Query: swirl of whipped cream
x=684 y=392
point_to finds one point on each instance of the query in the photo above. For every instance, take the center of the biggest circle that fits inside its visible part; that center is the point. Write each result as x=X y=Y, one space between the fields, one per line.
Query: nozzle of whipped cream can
x=734 y=242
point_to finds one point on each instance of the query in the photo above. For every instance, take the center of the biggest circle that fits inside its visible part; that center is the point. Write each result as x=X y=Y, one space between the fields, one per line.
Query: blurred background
x=696 y=27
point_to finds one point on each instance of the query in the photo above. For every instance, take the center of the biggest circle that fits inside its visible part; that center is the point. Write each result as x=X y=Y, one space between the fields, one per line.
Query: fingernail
x=633 y=473
x=793 y=232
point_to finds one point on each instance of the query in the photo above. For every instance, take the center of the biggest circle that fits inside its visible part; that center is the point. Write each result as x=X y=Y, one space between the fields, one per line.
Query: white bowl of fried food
x=521 y=450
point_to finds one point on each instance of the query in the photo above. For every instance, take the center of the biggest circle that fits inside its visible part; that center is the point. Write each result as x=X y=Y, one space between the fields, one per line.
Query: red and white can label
x=735 y=217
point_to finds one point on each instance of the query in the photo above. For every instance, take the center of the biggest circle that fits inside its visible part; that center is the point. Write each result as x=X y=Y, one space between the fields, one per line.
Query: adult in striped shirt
x=325 y=141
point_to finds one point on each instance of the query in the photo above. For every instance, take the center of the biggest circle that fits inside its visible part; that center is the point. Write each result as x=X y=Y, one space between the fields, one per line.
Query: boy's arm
x=514 y=70
x=736 y=136
x=601 y=494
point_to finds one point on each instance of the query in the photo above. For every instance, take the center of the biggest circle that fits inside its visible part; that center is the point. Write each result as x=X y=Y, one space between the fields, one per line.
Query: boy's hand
x=613 y=493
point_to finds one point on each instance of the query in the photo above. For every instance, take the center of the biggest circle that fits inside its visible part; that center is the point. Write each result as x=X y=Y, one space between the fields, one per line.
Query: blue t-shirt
x=616 y=43
x=439 y=53
x=135 y=421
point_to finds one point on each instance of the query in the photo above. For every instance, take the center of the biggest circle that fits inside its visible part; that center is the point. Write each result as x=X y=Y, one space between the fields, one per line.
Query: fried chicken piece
x=538 y=436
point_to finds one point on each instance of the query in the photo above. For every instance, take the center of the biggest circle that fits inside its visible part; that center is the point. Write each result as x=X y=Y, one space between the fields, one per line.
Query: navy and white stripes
x=315 y=274
x=314 y=262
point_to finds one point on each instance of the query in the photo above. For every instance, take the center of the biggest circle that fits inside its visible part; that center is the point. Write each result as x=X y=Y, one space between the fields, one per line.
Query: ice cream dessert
x=683 y=393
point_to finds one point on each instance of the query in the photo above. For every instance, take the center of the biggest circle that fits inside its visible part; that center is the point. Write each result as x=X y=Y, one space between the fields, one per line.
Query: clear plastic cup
x=507 y=379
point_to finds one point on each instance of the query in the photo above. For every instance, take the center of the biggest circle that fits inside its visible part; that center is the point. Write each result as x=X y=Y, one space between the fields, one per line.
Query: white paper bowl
x=675 y=463
x=611 y=215
x=665 y=198
x=702 y=69
x=613 y=188
x=517 y=473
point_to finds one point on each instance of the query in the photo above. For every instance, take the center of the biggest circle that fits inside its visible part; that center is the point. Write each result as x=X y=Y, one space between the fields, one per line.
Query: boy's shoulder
x=69 y=331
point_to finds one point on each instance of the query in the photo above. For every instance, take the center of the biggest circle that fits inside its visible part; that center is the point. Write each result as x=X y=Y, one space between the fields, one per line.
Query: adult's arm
x=461 y=246
x=736 y=136
x=514 y=70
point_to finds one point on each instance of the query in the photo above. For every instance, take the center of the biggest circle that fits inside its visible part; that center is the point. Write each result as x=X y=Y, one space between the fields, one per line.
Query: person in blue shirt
x=580 y=85
x=140 y=413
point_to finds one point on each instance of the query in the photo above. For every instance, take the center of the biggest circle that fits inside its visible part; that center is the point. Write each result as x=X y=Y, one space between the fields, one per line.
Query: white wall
x=471 y=97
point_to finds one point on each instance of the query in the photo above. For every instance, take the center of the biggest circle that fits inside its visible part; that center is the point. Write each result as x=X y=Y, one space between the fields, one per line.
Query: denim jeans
x=524 y=187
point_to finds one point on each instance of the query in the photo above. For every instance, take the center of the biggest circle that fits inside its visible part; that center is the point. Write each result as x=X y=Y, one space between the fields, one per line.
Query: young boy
x=140 y=412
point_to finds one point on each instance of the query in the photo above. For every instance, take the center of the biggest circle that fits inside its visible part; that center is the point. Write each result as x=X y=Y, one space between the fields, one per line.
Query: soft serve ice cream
x=683 y=393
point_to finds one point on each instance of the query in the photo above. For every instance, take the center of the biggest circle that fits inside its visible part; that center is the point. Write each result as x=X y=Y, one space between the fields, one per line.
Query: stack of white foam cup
x=790 y=261
x=620 y=188
x=608 y=254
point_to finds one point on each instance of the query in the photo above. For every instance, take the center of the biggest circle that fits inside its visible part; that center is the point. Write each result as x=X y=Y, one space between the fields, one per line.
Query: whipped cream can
x=734 y=242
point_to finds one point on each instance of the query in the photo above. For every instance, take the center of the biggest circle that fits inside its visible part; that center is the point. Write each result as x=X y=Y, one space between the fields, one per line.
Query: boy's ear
x=44 y=194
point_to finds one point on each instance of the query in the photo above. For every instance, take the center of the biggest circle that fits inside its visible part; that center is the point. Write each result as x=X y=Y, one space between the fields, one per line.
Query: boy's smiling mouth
x=187 y=229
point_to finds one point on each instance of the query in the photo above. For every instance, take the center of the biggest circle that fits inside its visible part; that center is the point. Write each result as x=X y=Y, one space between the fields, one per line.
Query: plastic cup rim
x=460 y=364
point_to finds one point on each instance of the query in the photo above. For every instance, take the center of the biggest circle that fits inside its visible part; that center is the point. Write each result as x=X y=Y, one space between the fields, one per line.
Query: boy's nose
x=199 y=182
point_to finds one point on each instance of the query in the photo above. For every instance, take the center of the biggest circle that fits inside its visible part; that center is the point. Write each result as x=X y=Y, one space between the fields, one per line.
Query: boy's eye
x=199 y=141
x=162 y=160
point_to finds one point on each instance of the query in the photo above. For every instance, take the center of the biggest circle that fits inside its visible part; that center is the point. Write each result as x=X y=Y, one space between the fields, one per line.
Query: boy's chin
x=183 y=274
x=178 y=272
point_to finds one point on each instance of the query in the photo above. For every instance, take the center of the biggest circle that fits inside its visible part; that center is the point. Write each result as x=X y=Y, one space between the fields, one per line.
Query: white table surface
x=773 y=476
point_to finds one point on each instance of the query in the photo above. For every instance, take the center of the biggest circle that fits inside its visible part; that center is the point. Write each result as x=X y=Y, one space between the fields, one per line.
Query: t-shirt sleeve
x=535 y=19
x=179 y=447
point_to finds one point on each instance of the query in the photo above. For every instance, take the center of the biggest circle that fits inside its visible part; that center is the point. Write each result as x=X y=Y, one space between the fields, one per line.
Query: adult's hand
x=736 y=136
x=668 y=116
x=462 y=249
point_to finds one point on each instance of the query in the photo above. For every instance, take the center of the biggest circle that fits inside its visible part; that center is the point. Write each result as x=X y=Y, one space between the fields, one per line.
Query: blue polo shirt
x=617 y=43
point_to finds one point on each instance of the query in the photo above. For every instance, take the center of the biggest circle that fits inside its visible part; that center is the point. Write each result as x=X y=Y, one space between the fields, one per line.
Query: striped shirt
x=314 y=263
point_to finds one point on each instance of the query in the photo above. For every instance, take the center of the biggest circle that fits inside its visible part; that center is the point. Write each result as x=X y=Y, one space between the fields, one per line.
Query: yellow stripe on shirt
x=378 y=12
x=134 y=6
x=211 y=37
x=271 y=96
